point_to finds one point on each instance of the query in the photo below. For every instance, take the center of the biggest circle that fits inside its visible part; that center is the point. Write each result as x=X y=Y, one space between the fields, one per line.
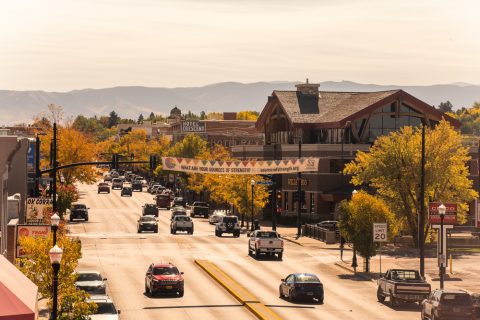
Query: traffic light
x=153 y=162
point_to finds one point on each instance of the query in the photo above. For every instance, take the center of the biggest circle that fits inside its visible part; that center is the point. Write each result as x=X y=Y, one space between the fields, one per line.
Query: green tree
x=140 y=119
x=37 y=267
x=203 y=115
x=67 y=194
x=113 y=119
x=392 y=167
x=445 y=106
x=356 y=218
x=151 y=117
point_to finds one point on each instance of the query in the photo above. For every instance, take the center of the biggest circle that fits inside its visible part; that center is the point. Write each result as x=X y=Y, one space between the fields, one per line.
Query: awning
x=18 y=295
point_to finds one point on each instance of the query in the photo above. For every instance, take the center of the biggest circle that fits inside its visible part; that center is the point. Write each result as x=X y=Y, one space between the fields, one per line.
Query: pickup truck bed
x=265 y=242
x=402 y=285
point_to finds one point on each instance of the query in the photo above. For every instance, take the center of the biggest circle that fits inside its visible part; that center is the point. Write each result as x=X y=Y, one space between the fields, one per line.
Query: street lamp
x=354 y=259
x=54 y=222
x=441 y=210
x=55 y=258
x=252 y=183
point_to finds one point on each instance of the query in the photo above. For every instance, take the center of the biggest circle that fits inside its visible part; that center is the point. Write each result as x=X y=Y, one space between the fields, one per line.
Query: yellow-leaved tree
x=392 y=167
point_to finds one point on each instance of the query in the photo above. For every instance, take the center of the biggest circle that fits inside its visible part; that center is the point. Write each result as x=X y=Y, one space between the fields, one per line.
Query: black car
x=79 y=211
x=126 y=191
x=301 y=285
x=147 y=223
x=200 y=209
x=137 y=185
x=179 y=201
x=150 y=209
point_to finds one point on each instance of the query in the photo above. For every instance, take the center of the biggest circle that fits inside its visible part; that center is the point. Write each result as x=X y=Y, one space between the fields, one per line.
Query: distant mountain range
x=130 y=102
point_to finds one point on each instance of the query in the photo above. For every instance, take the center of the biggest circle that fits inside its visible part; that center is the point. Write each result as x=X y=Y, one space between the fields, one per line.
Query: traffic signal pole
x=299 y=191
x=274 y=192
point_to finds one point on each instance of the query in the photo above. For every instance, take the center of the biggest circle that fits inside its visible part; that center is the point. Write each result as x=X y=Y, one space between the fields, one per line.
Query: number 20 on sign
x=379 y=232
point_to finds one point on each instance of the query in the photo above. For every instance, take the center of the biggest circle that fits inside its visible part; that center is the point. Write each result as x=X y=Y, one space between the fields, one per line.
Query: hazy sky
x=64 y=45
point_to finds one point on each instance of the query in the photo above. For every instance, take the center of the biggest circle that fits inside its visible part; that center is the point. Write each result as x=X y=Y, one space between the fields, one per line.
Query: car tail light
x=257 y=242
x=281 y=242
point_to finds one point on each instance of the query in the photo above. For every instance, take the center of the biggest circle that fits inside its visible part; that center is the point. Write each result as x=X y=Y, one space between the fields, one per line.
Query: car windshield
x=220 y=213
x=307 y=278
x=150 y=205
x=106 y=308
x=89 y=277
x=182 y=218
x=117 y=180
x=147 y=218
x=456 y=299
x=165 y=271
x=200 y=204
x=103 y=184
x=230 y=219
x=266 y=234
x=79 y=206
x=405 y=275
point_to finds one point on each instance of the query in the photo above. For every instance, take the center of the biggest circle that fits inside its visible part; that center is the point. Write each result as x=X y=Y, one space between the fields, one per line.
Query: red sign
x=450 y=217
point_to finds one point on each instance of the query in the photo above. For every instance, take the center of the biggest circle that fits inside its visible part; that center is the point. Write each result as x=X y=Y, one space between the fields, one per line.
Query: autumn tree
x=356 y=218
x=67 y=194
x=392 y=167
x=247 y=115
x=191 y=146
x=215 y=116
x=37 y=267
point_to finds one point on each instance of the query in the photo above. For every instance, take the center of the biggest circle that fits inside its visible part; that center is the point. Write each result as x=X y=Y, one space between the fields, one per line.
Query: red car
x=164 y=278
x=103 y=187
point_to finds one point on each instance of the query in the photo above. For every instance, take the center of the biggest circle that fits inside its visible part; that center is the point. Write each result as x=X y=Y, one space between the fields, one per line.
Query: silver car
x=91 y=282
x=215 y=217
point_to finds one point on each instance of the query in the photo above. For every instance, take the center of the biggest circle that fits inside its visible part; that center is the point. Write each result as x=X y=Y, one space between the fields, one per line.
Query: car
x=301 y=285
x=154 y=188
x=137 y=185
x=330 y=225
x=144 y=183
x=163 y=201
x=126 y=191
x=150 y=209
x=114 y=174
x=216 y=215
x=181 y=223
x=103 y=187
x=199 y=208
x=179 y=201
x=168 y=192
x=91 y=281
x=147 y=223
x=178 y=211
x=227 y=224
x=117 y=183
x=107 y=178
x=164 y=278
x=444 y=304
x=265 y=242
x=105 y=308
x=402 y=285
x=79 y=211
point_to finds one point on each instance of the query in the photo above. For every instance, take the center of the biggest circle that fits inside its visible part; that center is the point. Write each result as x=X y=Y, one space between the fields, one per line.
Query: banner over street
x=240 y=167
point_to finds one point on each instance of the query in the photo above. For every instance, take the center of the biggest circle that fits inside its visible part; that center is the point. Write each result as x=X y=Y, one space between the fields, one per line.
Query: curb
x=292 y=241
x=341 y=265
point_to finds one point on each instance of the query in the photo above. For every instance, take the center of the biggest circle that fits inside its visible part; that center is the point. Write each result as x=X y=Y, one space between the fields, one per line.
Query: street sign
x=450 y=213
x=293 y=182
x=268 y=183
x=379 y=232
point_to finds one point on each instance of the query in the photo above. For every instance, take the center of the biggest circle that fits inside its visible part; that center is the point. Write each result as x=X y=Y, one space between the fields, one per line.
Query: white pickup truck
x=181 y=223
x=265 y=242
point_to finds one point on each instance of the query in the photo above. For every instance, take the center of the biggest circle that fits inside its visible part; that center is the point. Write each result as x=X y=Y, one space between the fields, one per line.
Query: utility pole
x=421 y=218
x=37 y=166
x=54 y=166
x=299 y=191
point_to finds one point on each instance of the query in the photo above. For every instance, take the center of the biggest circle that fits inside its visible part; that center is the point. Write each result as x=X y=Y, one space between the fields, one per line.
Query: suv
x=147 y=223
x=178 y=211
x=163 y=201
x=126 y=191
x=137 y=185
x=106 y=308
x=179 y=201
x=79 y=211
x=181 y=223
x=199 y=209
x=164 y=278
x=150 y=209
x=91 y=282
x=227 y=224
x=448 y=304
x=117 y=183
x=103 y=187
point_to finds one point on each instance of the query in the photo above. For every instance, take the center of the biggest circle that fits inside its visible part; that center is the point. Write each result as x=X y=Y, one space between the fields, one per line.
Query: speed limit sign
x=379 y=232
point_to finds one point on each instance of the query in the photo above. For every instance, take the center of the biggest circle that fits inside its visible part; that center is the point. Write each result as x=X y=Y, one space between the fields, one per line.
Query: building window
x=312 y=202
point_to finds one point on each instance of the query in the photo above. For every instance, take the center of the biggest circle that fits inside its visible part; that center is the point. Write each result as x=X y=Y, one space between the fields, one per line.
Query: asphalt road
x=110 y=244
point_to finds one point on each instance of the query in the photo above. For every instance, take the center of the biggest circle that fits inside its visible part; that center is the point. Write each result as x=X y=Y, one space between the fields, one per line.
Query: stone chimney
x=308 y=88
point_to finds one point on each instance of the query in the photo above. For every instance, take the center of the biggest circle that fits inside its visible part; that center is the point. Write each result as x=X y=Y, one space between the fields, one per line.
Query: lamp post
x=252 y=183
x=55 y=258
x=354 y=259
x=54 y=222
x=441 y=211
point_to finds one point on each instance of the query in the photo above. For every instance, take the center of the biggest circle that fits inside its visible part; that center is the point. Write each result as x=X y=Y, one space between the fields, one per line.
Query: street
x=111 y=245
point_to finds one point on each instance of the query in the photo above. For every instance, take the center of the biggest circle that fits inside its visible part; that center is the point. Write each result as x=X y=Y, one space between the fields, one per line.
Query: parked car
x=105 y=308
x=126 y=191
x=117 y=183
x=147 y=223
x=265 y=242
x=228 y=224
x=91 y=282
x=150 y=209
x=163 y=201
x=402 y=285
x=178 y=211
x=199 y=209
x=181 y=223
x=216 y=215
x=137 y=185
x=164 y=278
x=78 y=211
x=301 y=285
x=103 y=187
x=179 y=201
x=330 y=226
x=444 y=304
